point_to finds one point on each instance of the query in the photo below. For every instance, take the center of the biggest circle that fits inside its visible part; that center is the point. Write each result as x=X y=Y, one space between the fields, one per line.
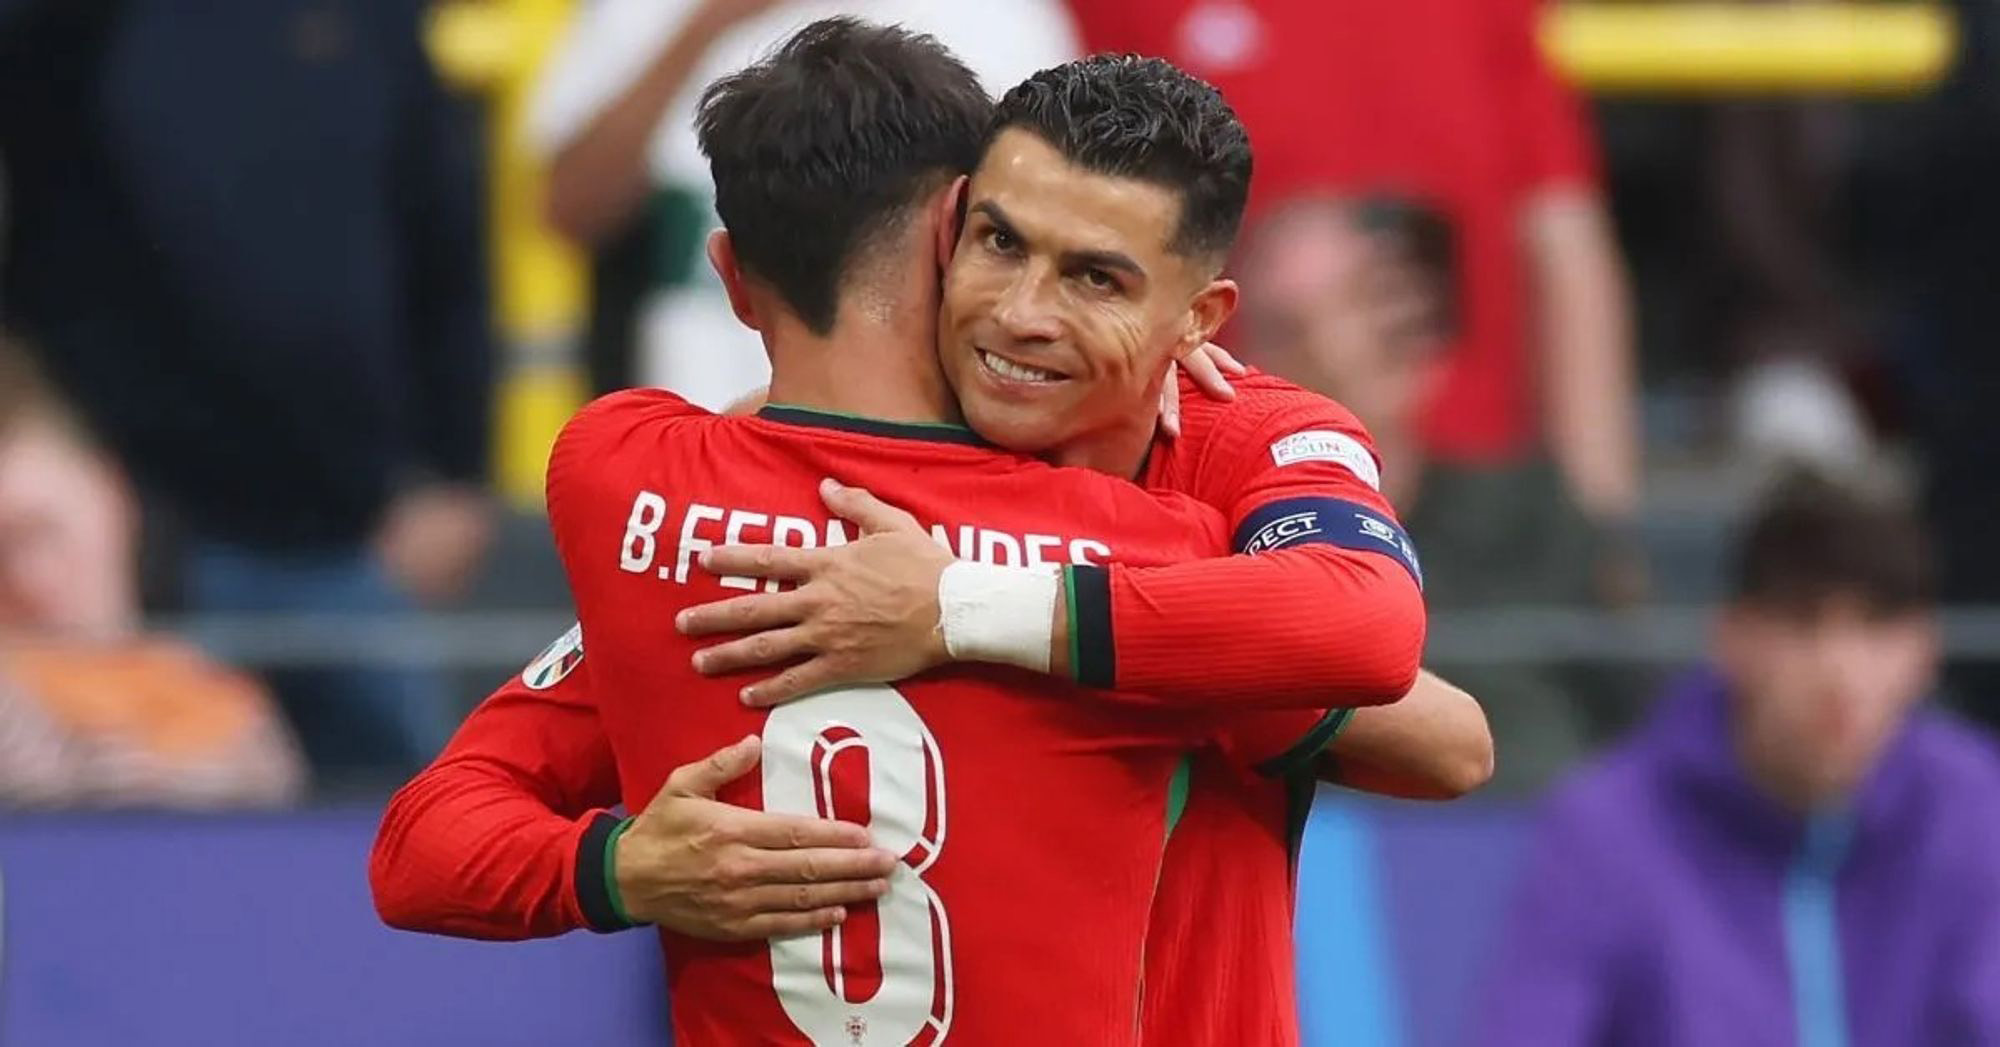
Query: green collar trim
x=813 y=417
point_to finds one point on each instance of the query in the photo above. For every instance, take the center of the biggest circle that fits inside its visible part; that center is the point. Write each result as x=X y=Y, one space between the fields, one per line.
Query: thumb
x=707 y=776
x=873 y=514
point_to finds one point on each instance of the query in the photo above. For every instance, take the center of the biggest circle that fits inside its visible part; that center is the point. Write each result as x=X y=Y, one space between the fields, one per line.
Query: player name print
x=694 y=526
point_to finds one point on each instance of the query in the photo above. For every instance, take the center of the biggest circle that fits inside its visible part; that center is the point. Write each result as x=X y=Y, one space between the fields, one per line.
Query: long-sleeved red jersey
x=503 y=836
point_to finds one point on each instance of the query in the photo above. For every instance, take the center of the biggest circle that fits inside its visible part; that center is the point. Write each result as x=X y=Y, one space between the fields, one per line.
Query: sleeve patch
x=1327 y=521
x=1325 y=445
x=556 y=661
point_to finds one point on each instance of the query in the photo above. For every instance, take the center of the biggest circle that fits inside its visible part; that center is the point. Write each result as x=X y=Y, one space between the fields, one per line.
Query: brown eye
x=1099 y=280
x=1001 y=240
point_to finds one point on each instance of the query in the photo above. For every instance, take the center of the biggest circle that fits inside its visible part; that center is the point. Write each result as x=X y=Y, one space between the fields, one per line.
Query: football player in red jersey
x=1286 y=466
x=869 y=118
x=573 y=751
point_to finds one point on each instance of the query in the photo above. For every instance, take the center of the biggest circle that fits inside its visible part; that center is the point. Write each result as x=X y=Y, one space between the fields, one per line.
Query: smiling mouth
x=1017 y=372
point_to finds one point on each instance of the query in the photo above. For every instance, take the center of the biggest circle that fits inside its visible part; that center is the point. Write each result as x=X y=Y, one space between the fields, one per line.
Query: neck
x=879 y=361
x=1119 y=451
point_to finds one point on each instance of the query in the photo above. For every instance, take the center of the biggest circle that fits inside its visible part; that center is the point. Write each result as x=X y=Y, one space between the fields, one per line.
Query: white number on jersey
x=864 y=755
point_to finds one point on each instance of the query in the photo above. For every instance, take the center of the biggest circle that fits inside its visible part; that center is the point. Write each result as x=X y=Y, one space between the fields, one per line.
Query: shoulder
x=1955 y=759
x=608 y=429
x=1274 y=417
x=1956 y=769
x=620 y=413
x=1263 y=399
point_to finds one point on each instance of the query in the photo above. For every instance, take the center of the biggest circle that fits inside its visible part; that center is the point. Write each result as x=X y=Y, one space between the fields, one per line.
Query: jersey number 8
x=884 y=976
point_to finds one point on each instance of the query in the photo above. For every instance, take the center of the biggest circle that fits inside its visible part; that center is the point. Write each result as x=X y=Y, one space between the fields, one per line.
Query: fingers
x=1225 y=359
x=797 y=682
x=808 y=897
x=790 y=924
x=743 y=614
x=1170 y=404
x=873 y=514
x=1206 y=373
x=761 y=561
x=769 y=832
x=757 y=649
x=706 y=777
x=821 y=866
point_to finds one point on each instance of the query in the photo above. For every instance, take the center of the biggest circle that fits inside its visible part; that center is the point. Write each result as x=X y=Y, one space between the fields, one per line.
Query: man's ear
x=722 y=257
x=1211 y=308
x=951 y=219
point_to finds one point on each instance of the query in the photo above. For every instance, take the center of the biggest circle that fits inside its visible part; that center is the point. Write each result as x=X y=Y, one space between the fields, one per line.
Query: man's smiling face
x=1063 y=301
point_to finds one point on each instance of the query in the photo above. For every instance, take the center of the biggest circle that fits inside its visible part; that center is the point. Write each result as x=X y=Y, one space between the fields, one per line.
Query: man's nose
x=1026 y=312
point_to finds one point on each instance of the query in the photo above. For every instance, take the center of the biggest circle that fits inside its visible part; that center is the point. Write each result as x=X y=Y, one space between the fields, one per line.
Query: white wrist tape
x=995 y=614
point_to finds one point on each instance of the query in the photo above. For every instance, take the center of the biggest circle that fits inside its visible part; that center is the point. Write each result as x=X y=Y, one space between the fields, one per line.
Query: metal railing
x=504 y=639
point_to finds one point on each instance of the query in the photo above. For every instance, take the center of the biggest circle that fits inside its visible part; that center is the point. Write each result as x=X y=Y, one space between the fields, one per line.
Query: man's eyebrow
x=1106 y=260
x=1118 y=260
x=995 y=215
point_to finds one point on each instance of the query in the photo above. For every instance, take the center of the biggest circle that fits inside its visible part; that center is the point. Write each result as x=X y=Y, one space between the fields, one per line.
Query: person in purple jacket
x=1793 y=851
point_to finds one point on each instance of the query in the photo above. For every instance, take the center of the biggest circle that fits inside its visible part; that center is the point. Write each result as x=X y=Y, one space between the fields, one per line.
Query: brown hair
x=1816 y=538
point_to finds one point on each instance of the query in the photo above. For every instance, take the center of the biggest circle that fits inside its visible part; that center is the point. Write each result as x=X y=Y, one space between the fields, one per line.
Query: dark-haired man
x=1154 y=256
x=1091 y=241
x=1792 y=851
x=859 y=130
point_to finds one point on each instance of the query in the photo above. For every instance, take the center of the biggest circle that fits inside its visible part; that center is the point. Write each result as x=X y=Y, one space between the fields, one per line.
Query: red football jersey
x=1031 y=823
x=1291 y=470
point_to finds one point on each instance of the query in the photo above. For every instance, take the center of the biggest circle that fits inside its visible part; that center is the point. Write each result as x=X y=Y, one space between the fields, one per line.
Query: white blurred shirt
x=691 y=342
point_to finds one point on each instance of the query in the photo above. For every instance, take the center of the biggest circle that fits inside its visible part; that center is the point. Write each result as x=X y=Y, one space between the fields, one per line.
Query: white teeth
x=1006 y=368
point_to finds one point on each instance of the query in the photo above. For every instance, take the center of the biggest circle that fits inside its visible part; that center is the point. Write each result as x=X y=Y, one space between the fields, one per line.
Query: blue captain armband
x=1327 y=521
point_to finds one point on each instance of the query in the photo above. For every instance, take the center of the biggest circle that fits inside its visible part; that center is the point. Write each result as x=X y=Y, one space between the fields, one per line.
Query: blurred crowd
x=250 y=364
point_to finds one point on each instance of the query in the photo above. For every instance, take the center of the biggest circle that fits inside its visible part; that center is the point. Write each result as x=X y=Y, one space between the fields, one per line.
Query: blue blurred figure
x=1793 y=851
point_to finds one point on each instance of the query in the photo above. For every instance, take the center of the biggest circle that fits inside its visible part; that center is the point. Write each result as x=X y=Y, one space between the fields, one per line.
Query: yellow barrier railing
x=540 y=292
x=1739 y=48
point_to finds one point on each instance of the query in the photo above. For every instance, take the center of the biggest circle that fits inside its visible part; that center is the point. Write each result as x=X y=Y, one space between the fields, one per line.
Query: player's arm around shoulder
x=1322 y=602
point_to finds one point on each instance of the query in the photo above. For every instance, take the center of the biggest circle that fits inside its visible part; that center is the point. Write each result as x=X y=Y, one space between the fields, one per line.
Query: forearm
x=1308 y=627
x=468 y=850
x=1583 y=321
x=600 y=178
x=1432 y=745
x=487 y=841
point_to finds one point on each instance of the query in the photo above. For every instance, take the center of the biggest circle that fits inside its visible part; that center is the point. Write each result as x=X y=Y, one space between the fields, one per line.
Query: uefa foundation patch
x=1323 y=445
x=556 y=661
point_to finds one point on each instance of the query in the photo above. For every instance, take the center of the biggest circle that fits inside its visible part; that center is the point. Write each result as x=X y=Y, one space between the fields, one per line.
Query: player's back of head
x=1144 y=118
x=827 y=145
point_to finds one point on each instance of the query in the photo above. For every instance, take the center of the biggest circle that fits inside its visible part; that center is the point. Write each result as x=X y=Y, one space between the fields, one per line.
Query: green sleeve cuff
x=1092 y=658
x=596 y=875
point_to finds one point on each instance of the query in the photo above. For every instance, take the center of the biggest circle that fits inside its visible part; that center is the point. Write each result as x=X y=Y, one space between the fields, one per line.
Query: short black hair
x=1816 y=538
x=1144 y=118
x=826 y=143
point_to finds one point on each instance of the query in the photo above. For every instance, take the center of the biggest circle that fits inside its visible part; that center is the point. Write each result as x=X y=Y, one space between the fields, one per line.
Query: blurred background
x=295 y=294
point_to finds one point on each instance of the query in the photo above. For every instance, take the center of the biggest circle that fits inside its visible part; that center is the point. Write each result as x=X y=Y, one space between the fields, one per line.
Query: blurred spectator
x=1787 y=307
x=1531 y=473
x=1792 y=851
x=615 y=117
x=92 y=712
x=247 y=235
x=1354 y=300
